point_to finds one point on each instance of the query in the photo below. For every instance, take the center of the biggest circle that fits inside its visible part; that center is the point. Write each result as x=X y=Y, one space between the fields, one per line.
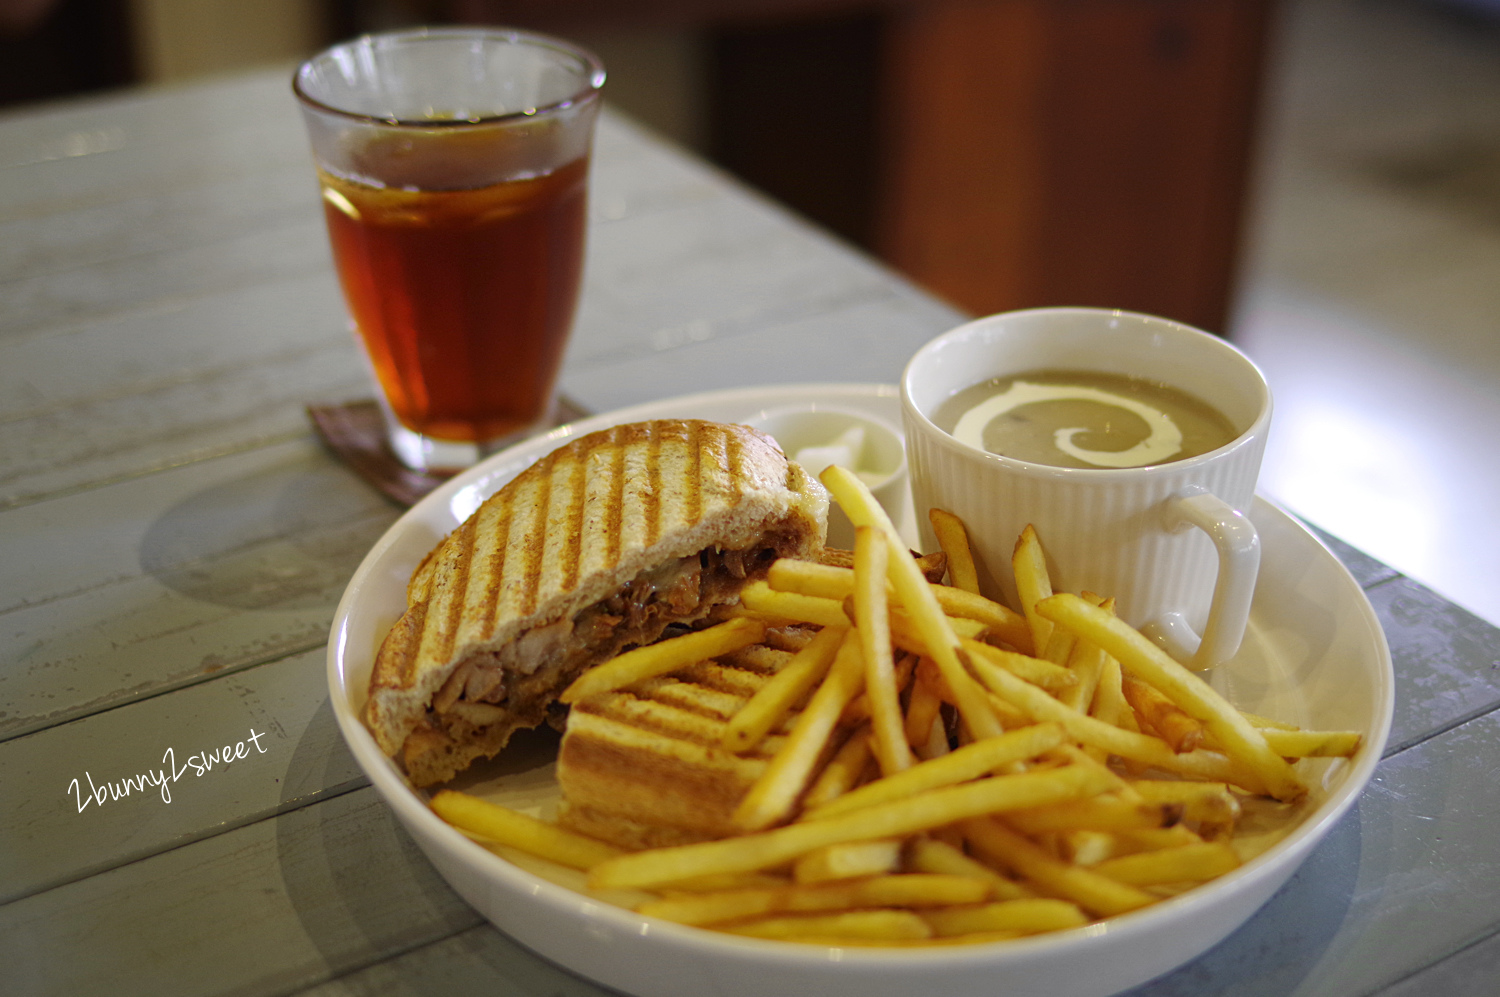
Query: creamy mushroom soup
x=1088 y=419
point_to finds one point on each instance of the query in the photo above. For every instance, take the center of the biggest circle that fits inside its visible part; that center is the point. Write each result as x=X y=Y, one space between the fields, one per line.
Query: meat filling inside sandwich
x=516 y=684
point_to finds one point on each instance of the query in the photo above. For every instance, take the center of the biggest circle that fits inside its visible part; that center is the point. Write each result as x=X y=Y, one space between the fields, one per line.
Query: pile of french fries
x=950 y=770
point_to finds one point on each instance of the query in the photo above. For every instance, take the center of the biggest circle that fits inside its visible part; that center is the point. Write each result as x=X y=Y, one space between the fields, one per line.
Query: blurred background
x=1318 y=180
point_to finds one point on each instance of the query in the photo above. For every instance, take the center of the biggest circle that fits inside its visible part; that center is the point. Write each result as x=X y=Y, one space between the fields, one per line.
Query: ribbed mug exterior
x=1108 y=531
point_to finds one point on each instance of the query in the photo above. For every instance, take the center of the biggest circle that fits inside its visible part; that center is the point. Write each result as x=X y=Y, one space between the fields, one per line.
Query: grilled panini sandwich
x=599 y=546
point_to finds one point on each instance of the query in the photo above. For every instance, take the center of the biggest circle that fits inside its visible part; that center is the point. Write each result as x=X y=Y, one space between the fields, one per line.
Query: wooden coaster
x=355 y=433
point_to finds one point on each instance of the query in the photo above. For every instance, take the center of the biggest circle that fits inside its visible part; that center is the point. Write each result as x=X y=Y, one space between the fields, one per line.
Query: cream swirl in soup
x=1085 y=419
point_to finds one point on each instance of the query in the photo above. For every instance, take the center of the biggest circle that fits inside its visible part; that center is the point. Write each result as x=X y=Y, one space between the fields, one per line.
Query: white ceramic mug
x=1170 y=542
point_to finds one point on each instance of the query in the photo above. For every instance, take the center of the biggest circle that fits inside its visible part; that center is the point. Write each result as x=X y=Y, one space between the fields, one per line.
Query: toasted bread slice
x=646 y=768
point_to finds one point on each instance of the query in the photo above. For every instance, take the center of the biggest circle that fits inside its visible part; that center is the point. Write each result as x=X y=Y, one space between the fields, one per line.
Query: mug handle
x=1239 y=562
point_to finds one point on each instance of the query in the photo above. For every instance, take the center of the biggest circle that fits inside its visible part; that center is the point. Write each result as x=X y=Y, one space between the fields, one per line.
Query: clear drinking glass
x=454 y=169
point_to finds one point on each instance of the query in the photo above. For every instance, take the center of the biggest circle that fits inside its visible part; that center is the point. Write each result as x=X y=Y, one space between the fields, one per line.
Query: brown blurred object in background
x=50 y=48
x=1072 y=152
x=1003 y=153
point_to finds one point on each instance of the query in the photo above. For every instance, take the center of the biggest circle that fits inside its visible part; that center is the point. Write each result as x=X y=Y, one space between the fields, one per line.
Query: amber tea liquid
x=465 y=297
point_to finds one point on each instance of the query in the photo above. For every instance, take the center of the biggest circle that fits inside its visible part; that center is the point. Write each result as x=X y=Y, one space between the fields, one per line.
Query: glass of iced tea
x=454 y=167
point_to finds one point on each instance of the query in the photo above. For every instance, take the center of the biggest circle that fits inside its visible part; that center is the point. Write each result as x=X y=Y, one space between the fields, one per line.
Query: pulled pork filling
x=516 y=682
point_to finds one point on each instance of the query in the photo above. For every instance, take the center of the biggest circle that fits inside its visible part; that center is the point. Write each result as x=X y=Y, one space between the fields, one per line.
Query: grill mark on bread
x=463 y=556
x=616 y=494
x=734 y=460
x=571 y=551
x=693 y=500
x=536 y=544
x=490 y=603
x=652 y=498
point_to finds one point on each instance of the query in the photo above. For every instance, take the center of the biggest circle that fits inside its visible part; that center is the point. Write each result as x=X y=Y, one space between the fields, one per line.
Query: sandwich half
x=597 y=547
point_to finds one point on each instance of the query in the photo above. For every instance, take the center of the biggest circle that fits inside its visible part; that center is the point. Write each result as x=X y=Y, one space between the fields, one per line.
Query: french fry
x=1162 y=715
x=884 y=925
x=1153 y=751
x=931 y=855
x=831 y=582
x=825 y=581
x=834 y=579
x=759 y=597
x=917 y=599
x=1033 y=584
x=940 y=642
x=925 y=704
x=1264 y=723
x=770 y=706
x=1059 y=646
x=907 y=636
x=1024 y=917
x=849 y=766
x=1099 y=813
x=1087 y=848
x=1087 y=665
x=873 y=625
x=1049 y=676
x=773 y=795
x=953 y=538
x=731 y=881
x=1187 y=863
x=1109 y=707
x=730 y=905
x=663 y=657
x=1001 y=621
x=1008 y=714
x=923 y=890
x=904 y=890
x=1200 y=801
x=858 y=710
x=1139 y=656
x=922 y=812
x=969 y=762
x=848 y=860
x=518 y=830
x=933 y=566
x=1094 y=893
x=1312 y=743
x=1154 y=839
x=937 y=744
x=953 y=941
x=1109 y=698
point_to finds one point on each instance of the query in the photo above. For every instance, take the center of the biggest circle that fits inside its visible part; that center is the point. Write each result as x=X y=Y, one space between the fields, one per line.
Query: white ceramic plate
x=1315 y=655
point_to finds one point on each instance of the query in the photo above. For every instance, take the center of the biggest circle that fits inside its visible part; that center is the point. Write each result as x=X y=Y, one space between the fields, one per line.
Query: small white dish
x=1314 y=655
x=812 y=434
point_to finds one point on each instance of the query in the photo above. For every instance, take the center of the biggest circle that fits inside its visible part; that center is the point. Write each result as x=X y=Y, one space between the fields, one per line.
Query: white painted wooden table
x=173 y=541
